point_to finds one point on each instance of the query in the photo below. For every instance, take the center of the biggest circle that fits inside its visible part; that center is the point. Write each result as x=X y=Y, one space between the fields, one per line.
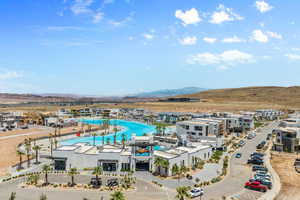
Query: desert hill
x=284 y=96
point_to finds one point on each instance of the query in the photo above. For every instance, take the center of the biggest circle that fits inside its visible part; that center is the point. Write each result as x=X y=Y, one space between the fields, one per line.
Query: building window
x=198 y=128
x=125 y=167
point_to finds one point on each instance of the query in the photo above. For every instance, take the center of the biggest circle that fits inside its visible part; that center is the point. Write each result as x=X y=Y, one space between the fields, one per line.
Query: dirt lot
x=283 y=163
x=8 y=146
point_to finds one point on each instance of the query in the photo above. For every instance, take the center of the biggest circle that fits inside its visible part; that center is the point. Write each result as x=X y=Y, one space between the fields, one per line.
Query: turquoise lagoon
x=128 y=128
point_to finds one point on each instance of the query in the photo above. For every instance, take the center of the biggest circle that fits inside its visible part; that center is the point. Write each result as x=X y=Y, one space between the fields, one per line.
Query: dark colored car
x=96 y=182
x=255 y=162
x=112 y=182
x=259 y=168
x=258 y=154
x=238 y=155
x=255 y=185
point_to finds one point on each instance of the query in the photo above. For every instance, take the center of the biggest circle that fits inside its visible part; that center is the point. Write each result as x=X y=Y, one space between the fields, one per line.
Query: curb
x=271 y=194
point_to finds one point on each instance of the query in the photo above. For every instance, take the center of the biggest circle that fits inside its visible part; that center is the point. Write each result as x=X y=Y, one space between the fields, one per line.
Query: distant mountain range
x=169 y=92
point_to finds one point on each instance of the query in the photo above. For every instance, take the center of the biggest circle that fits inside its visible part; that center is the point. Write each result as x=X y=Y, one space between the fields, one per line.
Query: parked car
x=242 y=143
x=256 y=157
x=255 y=185
x=258 y=154
x=263 y=182
x=96 y=182
x=112 y=182
x=196 y=192
x=259 y=168
x=262 y=177
x=238 y=155
x=255 y=162
x=259 y=146
x=262 y=172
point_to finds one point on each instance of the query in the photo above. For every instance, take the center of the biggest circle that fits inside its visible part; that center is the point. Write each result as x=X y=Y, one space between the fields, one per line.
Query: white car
x=196 y=192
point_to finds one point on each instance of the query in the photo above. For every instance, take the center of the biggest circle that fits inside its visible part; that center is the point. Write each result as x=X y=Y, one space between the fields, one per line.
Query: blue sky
x=116 y=47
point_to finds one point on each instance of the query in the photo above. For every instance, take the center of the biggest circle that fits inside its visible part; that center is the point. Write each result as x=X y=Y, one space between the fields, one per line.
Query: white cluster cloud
x=123 y=21
x=148 y=36
x=98 y=17
x=259 y=36
x=274 y=35
x=263 y=6
x=7 y=74
x=225 y=59
x=188 y=17
x=209 y=40
x=63 y=28
x=188 y=40
x=293 y=56
x=223 y=14
x=233 y=39
x=81 y=6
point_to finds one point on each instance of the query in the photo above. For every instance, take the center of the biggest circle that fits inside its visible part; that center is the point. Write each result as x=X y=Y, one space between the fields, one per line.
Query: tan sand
x=283 y=163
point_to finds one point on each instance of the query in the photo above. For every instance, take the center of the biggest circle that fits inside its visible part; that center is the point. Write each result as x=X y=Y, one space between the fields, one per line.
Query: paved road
x=240 y=172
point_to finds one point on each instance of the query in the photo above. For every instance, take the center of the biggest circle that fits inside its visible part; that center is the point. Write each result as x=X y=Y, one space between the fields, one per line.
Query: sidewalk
x=271 y=194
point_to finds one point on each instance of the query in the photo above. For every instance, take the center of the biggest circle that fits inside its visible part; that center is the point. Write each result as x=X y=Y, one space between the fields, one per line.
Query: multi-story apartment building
x=268 y=114
x=200 y=129
x=287 y=139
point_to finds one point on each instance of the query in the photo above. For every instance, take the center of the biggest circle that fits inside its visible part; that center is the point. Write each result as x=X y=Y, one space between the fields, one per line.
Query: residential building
x=287 y=139
x=182 y=156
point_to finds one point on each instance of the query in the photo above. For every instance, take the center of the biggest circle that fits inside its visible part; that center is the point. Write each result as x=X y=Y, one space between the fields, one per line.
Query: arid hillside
x=281 y=96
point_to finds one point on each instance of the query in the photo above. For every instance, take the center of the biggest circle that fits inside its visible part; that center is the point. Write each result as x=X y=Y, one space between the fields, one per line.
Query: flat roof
x=289 y=129
x=67 y=148
x=164 y=154
x=193 y=148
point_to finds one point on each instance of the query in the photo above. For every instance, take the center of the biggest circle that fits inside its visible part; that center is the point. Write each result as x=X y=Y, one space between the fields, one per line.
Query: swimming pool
x=129 y=128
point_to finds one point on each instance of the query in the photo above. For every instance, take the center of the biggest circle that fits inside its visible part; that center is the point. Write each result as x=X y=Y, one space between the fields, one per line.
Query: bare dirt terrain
x=235 y=99
x=283 y=163
x=8 y=145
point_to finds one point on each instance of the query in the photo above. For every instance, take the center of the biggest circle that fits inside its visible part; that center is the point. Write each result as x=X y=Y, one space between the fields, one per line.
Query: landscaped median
x=40 y=180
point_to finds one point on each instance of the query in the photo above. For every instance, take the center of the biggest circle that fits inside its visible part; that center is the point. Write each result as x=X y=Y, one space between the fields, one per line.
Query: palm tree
x=102 y=134
x=175 y=171
x=72 y=172
x=97 y=172
x=182 y=193
x=158 y=129
x=51 y=144
x=46 y=169
x=55 y=142
x=12 y=196
x=43 y=197
x=123 y=140
x=117 y=196
x=158 y=163
x=33 y=179
x=20 y=154
x=115 y=135
x=94 y=138
x=164 y=129
x=108 y=140
x=36 y=148
x=183 y=169
x=28 y=149
x=165 y=164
